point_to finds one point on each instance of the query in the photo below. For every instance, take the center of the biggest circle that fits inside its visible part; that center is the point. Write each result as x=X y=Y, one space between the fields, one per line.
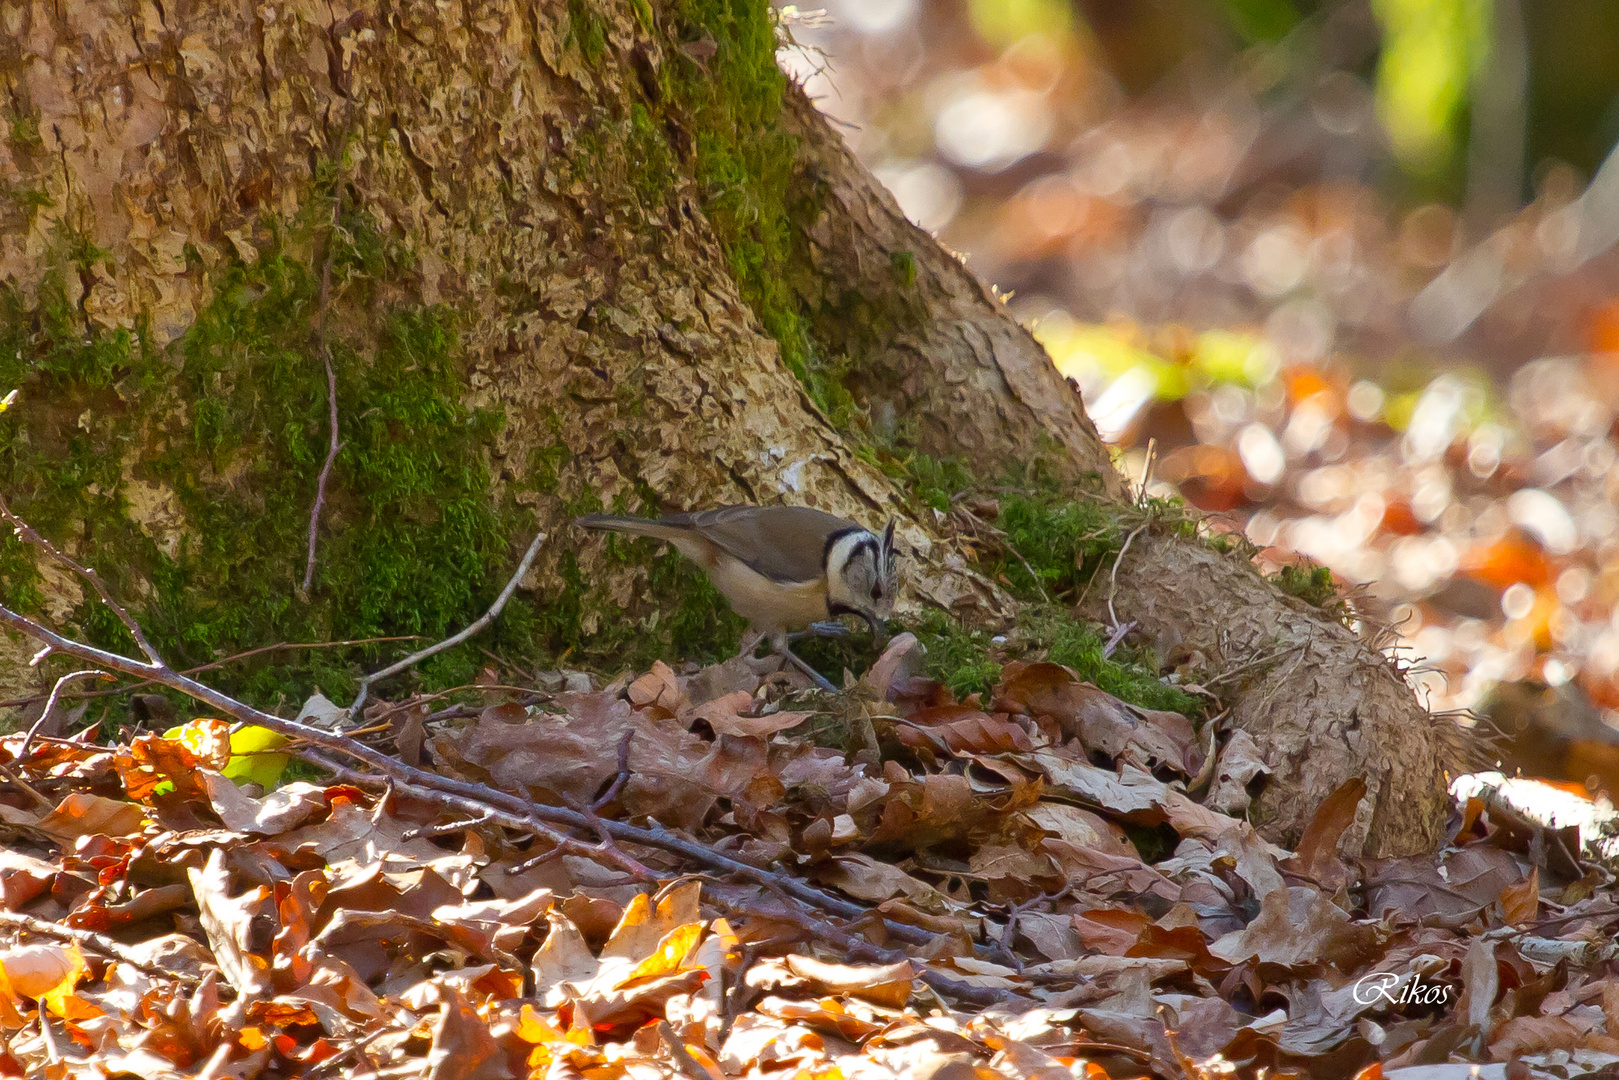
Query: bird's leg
x=779 y=643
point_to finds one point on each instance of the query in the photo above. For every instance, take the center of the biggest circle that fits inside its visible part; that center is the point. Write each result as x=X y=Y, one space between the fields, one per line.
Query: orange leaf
x=1520 y=903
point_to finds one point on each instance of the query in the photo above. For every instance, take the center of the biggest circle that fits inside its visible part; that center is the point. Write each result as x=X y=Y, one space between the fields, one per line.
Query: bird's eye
x=876 y=592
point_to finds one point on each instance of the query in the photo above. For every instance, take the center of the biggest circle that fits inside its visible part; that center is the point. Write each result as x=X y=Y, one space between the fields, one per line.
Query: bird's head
x=861 y=577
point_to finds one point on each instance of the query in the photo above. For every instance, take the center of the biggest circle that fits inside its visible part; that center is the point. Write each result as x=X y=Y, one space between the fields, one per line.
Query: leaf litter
x=1044 y=886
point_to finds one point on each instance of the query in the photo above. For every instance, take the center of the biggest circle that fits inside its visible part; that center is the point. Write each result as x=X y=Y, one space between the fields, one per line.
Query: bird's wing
x=783 y=543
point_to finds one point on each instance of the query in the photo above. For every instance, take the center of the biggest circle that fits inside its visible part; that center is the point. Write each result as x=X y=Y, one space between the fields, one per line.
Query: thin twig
x=472 y=807
x=213 y=664
x=94 y=941
x=621 y=778
x=26 y=531
x=1115 y=637
x=455 y=639
x=333 y=446
x=323 y=343
x=33 y=792
x=50 y=703
x=861 y=949
x=429 y=831
x=1113 y=578
x=685 y=1064
x=464 y=797
x=468 y=799
x=1146 y=470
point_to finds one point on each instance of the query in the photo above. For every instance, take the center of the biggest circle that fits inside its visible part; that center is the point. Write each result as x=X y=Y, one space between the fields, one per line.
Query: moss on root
x=186 y=476
x=227 y=429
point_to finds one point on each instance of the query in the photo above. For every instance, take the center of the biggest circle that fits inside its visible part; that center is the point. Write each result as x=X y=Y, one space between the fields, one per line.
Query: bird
x=781 y=567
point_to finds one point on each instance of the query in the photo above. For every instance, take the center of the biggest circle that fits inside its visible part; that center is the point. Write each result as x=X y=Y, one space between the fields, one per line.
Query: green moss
x=961 y=657
x=1314 y=585
x=968 y=659
x=24 y=134
x=744 y=160
x=904 y=264
x=1047 y=547
x=232 y=419
x=586 y=31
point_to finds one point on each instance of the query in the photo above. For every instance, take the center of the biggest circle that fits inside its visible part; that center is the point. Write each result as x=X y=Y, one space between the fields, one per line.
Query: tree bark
x=547 y=171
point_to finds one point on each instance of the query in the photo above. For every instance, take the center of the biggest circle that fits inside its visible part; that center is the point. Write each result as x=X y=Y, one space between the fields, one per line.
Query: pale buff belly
x=769 y=606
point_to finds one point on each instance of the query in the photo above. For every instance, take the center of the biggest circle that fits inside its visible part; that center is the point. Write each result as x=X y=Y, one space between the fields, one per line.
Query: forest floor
x=720 y=873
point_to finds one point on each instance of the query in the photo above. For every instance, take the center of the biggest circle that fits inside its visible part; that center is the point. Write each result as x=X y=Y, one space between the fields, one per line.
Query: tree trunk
x=559 y=256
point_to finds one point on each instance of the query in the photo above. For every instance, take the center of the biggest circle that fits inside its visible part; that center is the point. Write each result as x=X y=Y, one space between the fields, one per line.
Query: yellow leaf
x=47 y=973
x=251 y=762
x=670 y=952
x=248 y=759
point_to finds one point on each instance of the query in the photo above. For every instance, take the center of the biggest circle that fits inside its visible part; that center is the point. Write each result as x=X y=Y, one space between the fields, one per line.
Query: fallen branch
x=451 y=642
x=81 y=695
x=26 y=532
x=466 y=799
x=50 y=703
x=93 y=941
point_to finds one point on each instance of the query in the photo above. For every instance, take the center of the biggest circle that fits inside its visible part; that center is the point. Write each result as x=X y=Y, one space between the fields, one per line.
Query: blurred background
x=1350 y=267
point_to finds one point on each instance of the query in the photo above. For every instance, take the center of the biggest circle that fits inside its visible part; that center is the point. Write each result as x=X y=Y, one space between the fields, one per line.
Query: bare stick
x=685 y=1064
x=100 y=943
x=211 y=665
x=1116 y=637
x=50 y=703
x=451 y=642
x=26 y=531
x=468 y=798
x=430 y=831
x=334 y=447
x=1113 y=578
x=621 y=777
x=605 y=852
x=326 y=469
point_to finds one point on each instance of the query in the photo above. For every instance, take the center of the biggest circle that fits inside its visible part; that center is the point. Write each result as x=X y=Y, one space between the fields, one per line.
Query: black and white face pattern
x=862 y=575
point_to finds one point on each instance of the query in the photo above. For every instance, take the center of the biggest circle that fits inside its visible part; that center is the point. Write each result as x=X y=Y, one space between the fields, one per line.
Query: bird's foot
x=821 y=629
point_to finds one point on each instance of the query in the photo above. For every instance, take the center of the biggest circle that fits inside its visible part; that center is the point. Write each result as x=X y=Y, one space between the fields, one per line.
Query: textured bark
x=1321 y=703
x=1327 y=708
x=601 y=314
x=930 y=341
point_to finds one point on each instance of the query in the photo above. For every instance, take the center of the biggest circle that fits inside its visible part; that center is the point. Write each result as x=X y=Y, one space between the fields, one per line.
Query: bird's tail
x=633 y=525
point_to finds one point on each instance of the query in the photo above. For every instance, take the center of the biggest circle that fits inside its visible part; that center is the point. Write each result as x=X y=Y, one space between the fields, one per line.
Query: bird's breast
x=767 y=605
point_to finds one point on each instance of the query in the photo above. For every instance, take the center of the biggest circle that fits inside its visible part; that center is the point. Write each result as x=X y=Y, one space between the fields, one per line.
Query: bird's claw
x=821 y=629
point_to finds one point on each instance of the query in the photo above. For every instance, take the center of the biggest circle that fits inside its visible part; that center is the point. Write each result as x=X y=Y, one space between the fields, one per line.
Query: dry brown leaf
x=1238 y=767
x=233 y=924
x=151 y=763
x=1317 y=856
x=352 y=834
x=564 y=957
x=649 y=920
x=961 y=730
x=1299 y=928
x=728 y=716
x=1465 y=882
x=888 y=984
x=1520 y=903
x=1101 y=722
x=1081 y=827
x=84 y=814
x=658 y=688
x=463 y=1048
x=284 y=808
